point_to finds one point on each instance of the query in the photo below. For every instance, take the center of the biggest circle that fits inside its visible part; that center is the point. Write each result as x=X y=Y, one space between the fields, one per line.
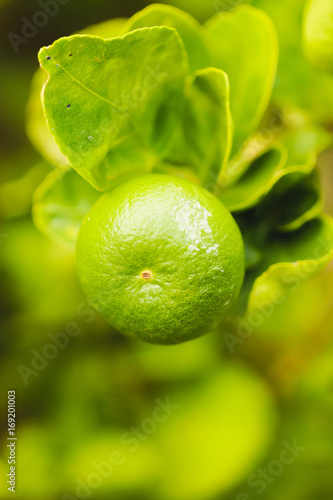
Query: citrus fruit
x=160 y=258
x=318 y=33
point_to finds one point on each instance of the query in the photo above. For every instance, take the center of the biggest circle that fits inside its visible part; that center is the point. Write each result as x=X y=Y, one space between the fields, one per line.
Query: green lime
x=318 y=33
x=160 y=258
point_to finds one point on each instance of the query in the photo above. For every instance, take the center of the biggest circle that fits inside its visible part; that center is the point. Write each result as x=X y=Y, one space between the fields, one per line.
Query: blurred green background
x=103 y=417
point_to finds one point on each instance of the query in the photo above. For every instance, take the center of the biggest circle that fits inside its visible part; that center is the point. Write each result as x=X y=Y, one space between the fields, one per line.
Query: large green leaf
x=113 y=105
x=204 y=139
x=60 y=204
x=244 y=45
x=295 y=257
x=36 y=124
x=191 y=32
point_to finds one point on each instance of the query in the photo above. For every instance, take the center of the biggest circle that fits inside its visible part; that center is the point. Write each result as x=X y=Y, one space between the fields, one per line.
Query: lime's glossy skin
x=161 y=259
x=318 y=33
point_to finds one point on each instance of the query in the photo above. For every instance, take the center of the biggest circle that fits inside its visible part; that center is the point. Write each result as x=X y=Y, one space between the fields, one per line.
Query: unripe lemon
x=318 y=33
x=161 y=259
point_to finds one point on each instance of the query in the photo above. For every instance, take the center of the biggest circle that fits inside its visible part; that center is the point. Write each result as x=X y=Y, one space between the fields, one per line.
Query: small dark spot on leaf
x=69 y=55
x=48 y=57
x=68 y=106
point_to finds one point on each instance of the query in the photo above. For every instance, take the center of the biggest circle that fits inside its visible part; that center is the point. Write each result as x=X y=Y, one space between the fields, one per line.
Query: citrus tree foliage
x=160 y=93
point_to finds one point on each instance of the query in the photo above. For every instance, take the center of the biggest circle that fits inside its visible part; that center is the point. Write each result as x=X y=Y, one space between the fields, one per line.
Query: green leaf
x=256 y=182
x=248 y=178
x=304 y=141
x=113 y=105
x=293 y=129
x=299 y=316
x=36 y=124
x=294 y=200
x=244 y=45
x=60 y=204
x=256 y=231
x=204 y=140
x=238 y=165
x=297 y=82
x=204 y=10
x=190 y=31
x=318 y=34
x=296 y=257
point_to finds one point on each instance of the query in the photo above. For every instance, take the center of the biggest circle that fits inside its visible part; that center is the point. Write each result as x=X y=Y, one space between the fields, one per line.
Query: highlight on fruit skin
x=318 y=34
x=161 y=259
